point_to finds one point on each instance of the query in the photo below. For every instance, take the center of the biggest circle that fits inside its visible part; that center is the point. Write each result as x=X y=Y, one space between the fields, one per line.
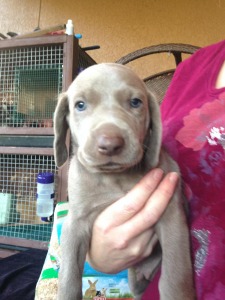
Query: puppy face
x=108 y=117
x=112 y=117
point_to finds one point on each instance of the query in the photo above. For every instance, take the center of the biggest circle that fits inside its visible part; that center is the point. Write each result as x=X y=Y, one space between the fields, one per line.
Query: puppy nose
x=110 y=145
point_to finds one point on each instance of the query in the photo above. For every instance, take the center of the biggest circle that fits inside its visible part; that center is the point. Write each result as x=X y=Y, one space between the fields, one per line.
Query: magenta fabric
x=193 y=114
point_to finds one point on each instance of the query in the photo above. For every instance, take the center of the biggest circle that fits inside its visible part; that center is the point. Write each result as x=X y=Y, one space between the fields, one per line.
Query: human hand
x=123 y=234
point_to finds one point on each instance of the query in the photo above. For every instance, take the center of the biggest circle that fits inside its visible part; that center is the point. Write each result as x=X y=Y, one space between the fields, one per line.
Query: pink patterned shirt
x=193 y=114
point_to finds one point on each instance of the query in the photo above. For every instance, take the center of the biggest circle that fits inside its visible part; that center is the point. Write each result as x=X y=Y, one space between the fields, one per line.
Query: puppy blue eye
x=80 y=105
x=135 y=103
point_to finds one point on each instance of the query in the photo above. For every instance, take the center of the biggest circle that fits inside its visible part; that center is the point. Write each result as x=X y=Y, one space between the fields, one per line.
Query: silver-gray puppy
x=116 y=139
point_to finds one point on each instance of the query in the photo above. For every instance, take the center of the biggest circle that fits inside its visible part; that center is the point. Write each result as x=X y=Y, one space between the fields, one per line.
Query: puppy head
x=112 y=117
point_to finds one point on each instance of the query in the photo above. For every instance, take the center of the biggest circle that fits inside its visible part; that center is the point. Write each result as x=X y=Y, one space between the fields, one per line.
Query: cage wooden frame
x=72 y=54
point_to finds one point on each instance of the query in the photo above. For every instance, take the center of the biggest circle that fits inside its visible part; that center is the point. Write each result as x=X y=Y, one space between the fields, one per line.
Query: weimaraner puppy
x=116 y=139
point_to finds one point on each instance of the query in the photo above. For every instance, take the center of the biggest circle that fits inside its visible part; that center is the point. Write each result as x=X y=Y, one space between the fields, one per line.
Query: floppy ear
x=60 y=130
x=154 y=136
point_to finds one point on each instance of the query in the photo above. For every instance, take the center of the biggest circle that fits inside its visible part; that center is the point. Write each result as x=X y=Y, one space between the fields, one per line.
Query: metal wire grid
x=30 y=81
x=18 y=196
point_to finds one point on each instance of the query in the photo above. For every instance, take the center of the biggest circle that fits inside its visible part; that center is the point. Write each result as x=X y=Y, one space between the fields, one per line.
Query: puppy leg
x=141 y=274
x=74 y=245
x=176 y=281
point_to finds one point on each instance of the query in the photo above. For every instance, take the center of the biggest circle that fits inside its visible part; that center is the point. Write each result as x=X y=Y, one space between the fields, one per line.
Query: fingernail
x=173 y=176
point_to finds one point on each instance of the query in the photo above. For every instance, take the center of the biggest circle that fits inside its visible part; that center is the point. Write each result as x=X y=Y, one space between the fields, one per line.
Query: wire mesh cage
x=33 y=72
x=30 y=81
x=18 y=190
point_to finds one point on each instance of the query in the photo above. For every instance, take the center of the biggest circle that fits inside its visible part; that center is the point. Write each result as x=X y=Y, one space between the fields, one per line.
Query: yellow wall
x=122 y=26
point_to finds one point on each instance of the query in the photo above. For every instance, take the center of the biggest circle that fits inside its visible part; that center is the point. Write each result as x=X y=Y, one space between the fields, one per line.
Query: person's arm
x=122 y=232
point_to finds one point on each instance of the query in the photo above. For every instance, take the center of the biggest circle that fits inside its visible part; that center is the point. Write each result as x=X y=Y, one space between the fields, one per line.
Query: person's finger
x=137 y=249
x=126 y=207
x=142 y=245
x=153 y=209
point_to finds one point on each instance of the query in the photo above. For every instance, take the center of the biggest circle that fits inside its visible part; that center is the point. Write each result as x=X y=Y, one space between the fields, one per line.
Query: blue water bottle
x=45 y=194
